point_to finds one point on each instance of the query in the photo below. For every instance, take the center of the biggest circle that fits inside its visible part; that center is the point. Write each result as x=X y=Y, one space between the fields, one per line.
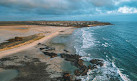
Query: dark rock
x=78 y=80
x=67 y=77
x=97 y=62
x=61 y=31
x=80 y=62
x=70 y=59
x=66 y=50
x=84 y=71
x=41 y=44
x=41 y=48
x=26 y=56
x=18 y=38
x=77 y=72
x=77 y=62
x=47 y=48
x=5 y=59
x=35 y=60
x=70 y=56
x=93 y=67
x=89 y=67
x=52 y=55
x=62 y=55
x=83 y=67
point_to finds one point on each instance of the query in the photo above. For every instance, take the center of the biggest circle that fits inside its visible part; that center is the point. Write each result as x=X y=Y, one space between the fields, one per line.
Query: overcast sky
x=42 y=9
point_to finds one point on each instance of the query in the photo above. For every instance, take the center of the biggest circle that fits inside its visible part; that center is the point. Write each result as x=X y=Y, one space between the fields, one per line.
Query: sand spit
x=31 y=63
x=49 y=32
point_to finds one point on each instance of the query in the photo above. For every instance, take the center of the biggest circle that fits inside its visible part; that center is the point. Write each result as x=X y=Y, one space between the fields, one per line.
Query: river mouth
x=8 y=75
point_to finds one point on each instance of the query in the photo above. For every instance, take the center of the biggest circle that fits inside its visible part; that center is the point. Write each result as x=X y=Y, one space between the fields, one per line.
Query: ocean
x=115 y=44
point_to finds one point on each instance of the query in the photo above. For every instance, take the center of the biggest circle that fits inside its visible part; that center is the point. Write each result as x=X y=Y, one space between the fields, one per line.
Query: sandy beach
x=33 y=57
x=7 y=32
x=27 y=53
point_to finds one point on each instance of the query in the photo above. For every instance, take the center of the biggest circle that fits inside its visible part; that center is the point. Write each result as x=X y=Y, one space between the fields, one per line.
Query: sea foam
x=105 y=73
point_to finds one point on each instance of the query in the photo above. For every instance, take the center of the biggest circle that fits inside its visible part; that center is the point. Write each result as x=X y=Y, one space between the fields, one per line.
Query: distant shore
x=55 y=23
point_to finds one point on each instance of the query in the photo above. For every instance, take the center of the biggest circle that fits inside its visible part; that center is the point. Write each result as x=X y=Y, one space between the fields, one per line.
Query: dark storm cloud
x=64 y=7
x=54 y=6
x=101 y=2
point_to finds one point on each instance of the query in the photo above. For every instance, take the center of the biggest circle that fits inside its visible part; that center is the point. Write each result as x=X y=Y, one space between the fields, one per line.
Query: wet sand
x=29 y=60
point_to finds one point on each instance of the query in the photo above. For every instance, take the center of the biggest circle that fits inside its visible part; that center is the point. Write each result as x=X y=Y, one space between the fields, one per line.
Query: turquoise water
x=8 y=75
x=116 y=44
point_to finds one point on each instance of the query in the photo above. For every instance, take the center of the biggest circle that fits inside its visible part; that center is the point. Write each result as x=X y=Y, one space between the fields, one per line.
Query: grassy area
x=19 y=41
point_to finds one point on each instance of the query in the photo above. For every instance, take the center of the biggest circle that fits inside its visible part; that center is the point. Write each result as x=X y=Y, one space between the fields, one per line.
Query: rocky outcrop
x=67 y=77
x=97 y=62
x=52 y=55
x=30 y=69
x=45 y=47
x=75 y=60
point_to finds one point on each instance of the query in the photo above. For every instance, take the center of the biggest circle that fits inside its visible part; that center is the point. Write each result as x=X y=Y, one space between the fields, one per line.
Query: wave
x=123 y=76
x=105 y=73
x=106 y=44
x=88 y=39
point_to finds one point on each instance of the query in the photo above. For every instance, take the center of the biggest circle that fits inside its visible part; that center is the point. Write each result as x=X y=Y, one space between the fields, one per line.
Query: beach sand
x=41 y=60
x=8 y=32
x=30 y=55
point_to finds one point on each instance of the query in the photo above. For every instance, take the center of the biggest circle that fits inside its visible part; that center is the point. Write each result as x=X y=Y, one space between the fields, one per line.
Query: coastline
x=40 y=55
x=32 y=53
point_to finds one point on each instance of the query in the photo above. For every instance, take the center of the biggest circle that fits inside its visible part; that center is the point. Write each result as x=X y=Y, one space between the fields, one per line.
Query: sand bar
x=49 y=31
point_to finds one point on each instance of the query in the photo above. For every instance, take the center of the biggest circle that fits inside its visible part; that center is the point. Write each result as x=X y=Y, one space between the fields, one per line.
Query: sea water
x=115 y=44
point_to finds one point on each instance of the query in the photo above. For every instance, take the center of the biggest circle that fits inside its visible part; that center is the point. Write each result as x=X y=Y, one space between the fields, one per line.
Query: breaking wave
x=109 y=72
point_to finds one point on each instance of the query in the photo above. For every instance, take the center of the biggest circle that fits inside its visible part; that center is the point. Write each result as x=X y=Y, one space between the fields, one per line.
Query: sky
x=14 y=10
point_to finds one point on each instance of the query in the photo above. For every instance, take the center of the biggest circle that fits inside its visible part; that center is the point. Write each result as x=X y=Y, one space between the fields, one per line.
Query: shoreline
x=27 y=46
x=31 y=55
x=40 y=56
x=24 y=47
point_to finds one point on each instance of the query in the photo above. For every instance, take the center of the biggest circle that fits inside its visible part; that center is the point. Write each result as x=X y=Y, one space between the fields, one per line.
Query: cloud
x=124 y=10
x=46 y=6
x=101 y=3
x=66 y=7
x=127 y=10
x=117 y=2
x=34 y=3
